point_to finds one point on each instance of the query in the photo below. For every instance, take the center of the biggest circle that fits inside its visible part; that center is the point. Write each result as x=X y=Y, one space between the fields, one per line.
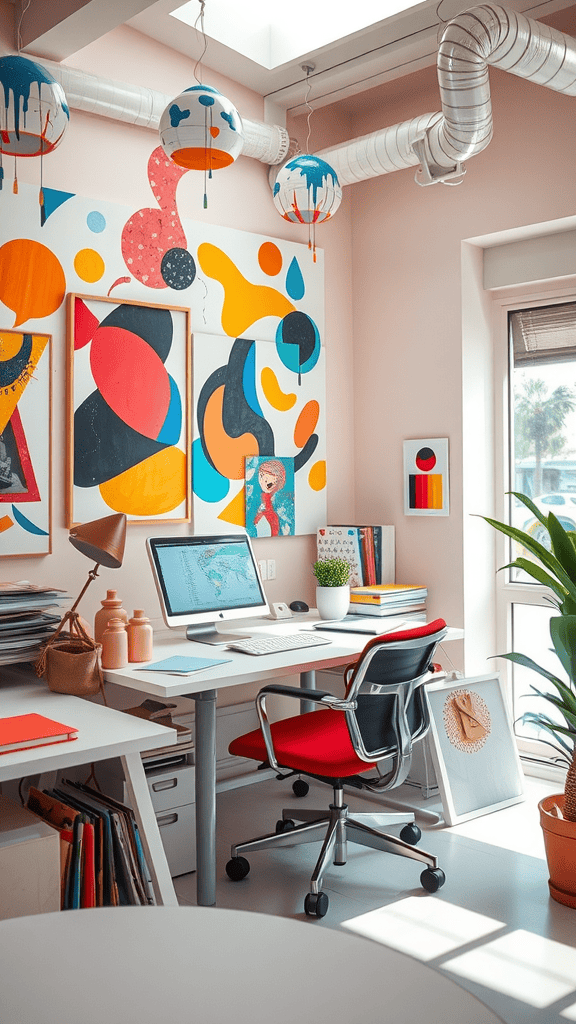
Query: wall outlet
x=262 y=569
x=271 y=569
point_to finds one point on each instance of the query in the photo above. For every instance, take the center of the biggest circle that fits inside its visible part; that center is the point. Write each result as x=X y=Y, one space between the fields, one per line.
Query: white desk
x=150 y=964
x=102 y=733
x=203 y=686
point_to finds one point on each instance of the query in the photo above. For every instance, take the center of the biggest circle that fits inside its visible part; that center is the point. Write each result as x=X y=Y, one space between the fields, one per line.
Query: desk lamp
x=103 y=540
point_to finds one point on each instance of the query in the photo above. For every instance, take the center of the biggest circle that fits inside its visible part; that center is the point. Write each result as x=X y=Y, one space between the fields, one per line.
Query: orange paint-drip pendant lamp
x=201 y=130
x=306 y=191
x=33 y=114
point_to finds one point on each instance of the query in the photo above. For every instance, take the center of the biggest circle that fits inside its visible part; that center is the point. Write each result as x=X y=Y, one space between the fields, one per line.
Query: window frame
x=506 y=592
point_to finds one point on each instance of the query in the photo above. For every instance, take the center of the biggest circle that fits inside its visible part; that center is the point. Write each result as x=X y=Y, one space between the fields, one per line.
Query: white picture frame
x=473 y=747
x=426 y=477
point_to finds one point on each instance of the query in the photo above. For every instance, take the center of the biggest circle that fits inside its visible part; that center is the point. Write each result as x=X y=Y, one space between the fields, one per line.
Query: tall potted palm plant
x=556 y=569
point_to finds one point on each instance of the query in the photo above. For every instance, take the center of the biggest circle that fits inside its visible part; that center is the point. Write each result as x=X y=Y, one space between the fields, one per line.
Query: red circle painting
x=425 y=460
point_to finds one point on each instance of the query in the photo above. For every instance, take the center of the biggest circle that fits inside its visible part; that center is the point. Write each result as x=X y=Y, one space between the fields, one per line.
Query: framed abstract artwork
x=426 y=485
x=473 y=747
x=25 y=443
x=269 y=496
x=128 y=410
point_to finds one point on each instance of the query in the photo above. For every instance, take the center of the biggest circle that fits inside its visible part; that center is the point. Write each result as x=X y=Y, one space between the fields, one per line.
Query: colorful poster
x=426 y=491
x=269 y=496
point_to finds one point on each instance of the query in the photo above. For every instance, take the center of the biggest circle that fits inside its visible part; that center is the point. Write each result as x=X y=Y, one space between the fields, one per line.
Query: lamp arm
x=91 y=576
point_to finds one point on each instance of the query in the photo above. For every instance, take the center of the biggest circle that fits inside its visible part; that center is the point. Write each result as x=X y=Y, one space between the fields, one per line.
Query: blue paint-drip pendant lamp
x=33 y=115
x=306 y=191
x=201 y=130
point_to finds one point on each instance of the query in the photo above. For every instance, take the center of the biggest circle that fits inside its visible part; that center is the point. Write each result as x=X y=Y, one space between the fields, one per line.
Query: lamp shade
x=306 y=190
x=33 y=110
x=201 y=129
x=102 y=540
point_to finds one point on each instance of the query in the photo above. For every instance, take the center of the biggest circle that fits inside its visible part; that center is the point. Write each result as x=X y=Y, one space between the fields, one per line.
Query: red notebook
x=23 y=731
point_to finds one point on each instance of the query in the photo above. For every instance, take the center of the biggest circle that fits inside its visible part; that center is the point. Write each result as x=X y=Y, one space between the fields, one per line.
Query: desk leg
x=139 y=798
x=308 y=680
x=205 y=758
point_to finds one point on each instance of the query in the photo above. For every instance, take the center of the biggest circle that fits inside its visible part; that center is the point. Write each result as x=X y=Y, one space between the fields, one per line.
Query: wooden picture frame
x=473 y=747
x=128 y=401
x=25 y=443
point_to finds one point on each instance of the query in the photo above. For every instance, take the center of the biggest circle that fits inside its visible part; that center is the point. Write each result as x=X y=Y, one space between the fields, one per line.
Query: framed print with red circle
x=426 y=488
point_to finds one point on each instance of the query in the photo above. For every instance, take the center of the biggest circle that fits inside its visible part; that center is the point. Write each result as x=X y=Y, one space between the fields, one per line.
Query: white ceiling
x=397 y=45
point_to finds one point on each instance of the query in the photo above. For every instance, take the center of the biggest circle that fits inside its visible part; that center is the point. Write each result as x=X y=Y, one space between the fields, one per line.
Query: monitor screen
x=202 y=581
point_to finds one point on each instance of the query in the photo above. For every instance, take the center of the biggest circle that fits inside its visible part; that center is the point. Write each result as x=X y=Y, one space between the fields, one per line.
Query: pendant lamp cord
x=19 y=30
x=200 y=20
x=310 y=109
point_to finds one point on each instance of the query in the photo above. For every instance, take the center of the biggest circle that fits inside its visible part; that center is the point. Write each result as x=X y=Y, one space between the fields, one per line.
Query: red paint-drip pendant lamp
x=33 y=114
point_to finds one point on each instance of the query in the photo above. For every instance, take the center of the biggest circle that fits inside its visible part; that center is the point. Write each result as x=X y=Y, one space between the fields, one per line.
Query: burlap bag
x=70 y=661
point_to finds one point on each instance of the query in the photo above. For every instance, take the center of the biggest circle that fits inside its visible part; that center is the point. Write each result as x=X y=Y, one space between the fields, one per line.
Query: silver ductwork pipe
x=442 y=142
x=134 y=104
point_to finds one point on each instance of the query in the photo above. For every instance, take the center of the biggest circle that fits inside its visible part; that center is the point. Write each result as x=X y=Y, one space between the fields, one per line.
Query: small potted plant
x=557 y=570
x=332 y=589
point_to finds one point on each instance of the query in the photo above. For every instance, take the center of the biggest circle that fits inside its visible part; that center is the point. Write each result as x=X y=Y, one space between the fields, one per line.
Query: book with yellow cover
x=388 y=593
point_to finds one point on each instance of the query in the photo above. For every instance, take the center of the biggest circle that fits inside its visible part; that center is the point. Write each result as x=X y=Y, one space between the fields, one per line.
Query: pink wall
x=407 y=319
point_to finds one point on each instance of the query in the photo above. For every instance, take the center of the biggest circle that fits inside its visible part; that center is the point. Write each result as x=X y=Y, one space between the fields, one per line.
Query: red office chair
x=381 y=715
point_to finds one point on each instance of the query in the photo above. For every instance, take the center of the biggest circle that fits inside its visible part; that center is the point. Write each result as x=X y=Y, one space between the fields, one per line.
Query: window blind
x=543 y=333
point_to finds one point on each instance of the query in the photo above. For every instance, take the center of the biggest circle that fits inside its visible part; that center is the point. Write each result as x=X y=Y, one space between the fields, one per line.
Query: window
x=540 y=462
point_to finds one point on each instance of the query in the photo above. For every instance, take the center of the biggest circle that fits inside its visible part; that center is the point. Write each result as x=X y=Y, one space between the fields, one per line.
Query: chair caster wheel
x=316 y=904
x=284 y=825
x=411 y=834
x=237 y=868
x=432 y=879
x=300 y=788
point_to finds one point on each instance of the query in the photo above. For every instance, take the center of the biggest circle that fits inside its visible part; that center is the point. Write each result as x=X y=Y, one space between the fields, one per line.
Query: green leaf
x=561 y=545
x=526 y=662
x=530 y=505
x=563 y=634
x=539 y=574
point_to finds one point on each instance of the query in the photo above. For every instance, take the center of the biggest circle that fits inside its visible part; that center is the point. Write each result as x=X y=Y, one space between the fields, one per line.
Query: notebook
x=23 y=731
x=180 y=665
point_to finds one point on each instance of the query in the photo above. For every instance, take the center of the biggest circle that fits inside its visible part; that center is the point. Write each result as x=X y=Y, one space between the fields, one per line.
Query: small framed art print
x=426 y=489
x=473 y=747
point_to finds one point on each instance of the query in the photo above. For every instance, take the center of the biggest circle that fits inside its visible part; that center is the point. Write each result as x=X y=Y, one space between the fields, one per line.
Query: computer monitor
x=202 y=581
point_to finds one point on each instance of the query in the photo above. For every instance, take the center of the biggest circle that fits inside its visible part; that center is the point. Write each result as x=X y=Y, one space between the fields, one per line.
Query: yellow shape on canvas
x=152 y=488
x=244 y=303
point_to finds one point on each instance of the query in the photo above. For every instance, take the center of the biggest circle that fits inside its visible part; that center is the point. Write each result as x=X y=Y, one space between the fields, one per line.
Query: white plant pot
x=333 y=602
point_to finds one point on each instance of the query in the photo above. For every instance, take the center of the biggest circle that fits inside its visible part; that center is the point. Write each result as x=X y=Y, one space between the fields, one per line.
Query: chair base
x=333 y=830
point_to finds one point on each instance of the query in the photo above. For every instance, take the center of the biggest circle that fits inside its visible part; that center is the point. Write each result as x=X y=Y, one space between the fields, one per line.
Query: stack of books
x=403 y=599
x=369 y=551
x=25 y=619
x=102 y=862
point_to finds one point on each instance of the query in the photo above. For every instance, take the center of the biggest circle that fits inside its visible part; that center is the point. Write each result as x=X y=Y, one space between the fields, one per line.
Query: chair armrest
x=322 y=697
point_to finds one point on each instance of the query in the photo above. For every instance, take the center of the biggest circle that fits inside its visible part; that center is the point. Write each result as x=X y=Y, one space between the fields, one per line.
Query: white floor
x=493 y=927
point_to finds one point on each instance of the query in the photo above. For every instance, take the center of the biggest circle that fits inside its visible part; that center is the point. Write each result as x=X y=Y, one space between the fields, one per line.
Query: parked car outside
x=562 y=504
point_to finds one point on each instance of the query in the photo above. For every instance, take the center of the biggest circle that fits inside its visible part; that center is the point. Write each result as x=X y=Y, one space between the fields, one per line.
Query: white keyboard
x=273 y=644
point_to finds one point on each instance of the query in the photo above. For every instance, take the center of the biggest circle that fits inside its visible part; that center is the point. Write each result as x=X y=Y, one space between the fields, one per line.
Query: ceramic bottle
x=115 y=644
x=111 y=608
x=139 y=632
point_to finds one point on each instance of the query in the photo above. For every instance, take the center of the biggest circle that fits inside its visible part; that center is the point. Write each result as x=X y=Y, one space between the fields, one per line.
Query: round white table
x=145 y=965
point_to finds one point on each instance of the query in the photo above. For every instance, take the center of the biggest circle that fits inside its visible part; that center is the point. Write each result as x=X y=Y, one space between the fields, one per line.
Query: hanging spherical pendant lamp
x=306 y=191
x=201 y=130
x=33 y=115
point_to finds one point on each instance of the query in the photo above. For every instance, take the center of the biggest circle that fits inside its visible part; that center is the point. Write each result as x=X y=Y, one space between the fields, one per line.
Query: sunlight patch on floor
x=522 y=965
x=423 y=926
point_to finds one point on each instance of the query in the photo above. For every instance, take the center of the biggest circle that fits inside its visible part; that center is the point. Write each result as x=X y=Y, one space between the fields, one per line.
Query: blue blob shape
x=202 y=88
x=177 y=115
x=172 y=425
x=316 y=172
x=207 y=483
x=206 y=101
x=294 y=281
x=276 y=189
x=27 y=524
x=249 y=381
x=53 y=198
x=304 y=343
x=96 y=221
x=229 y=118
x=17 y=75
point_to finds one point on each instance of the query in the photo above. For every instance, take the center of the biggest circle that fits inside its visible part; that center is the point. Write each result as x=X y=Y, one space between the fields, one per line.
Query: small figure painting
x=269 y=496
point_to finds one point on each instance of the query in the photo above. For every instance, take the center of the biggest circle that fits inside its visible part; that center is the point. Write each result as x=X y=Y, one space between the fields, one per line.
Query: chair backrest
x=386 y=684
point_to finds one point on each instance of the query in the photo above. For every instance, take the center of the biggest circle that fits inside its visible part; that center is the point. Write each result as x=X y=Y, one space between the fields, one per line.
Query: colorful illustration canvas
x=25 y=436
x=249 y=403
x=269 y=496
x=426 y=491
x=241 y=289
x=128 y=425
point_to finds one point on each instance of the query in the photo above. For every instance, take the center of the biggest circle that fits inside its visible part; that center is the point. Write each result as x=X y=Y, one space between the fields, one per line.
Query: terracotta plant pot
x=560 y=843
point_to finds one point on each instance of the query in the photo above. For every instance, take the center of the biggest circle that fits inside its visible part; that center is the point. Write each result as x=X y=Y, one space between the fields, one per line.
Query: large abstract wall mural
x=257 y=386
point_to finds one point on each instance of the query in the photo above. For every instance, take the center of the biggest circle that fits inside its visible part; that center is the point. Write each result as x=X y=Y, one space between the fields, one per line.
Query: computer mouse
x=299 y=606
